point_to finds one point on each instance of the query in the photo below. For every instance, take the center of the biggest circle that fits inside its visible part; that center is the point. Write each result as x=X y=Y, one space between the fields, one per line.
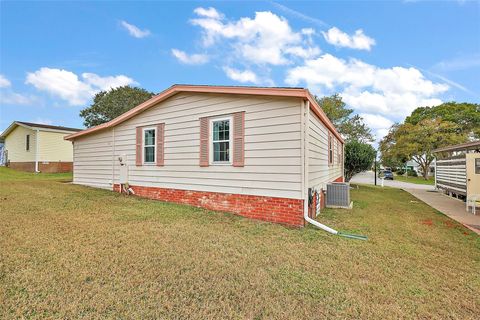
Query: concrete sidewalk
x=449 y=206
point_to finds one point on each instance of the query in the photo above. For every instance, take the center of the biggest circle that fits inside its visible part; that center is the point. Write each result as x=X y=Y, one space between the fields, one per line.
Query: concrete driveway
x=449 y=206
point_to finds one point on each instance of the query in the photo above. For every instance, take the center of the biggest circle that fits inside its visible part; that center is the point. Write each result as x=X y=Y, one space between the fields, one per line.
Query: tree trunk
x=425 y=165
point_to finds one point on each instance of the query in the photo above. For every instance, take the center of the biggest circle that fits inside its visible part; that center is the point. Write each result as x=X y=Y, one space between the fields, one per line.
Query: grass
x=69 y=251
x=416 y=180
x=7 y=174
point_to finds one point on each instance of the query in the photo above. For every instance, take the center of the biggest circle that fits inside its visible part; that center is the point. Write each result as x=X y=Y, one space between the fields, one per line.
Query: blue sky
x=384 y=57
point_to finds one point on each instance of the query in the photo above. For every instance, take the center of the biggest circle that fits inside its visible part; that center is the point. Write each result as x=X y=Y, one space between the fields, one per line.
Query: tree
x=350 y=126
x=108 y=105
x=465 y=115
x=387 y=157
x=409 y=141
x=359 y=157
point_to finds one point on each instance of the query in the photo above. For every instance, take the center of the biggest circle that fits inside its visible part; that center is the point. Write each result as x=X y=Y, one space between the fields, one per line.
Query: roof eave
x=459 y=147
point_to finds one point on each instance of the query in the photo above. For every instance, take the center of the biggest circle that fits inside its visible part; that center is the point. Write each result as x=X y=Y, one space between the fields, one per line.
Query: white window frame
x=230 y=141
x=154 y=146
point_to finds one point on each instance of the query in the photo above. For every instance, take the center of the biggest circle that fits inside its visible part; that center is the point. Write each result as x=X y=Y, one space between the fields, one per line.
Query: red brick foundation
x=278 y=210
x=22 y=166
x=339 y=179
x=55 y=167
x=43 y=166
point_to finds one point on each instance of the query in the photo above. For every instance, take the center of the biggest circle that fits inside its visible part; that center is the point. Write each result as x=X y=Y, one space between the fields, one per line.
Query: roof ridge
x=48 y=126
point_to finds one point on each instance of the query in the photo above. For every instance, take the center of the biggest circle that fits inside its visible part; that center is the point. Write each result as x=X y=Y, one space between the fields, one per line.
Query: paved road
x=449 y=206
x=368 y=177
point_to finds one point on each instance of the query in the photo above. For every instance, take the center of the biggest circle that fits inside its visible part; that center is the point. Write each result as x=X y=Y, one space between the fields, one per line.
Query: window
x=27 y=142
x=221 y=140
x=477 y=166
x=149 y=145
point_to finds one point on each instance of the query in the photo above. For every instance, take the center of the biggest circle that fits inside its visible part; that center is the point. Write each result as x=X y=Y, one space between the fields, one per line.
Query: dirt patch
x=449 y=224
x=427 y=222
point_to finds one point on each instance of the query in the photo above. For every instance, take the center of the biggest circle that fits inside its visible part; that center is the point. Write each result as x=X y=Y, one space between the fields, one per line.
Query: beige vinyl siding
x=52 y=147
x=16 y=147
x=319 y=171
x=93 y=160
x=272 y=146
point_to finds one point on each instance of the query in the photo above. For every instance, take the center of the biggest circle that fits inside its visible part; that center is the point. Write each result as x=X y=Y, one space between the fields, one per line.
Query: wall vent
x=338 y=195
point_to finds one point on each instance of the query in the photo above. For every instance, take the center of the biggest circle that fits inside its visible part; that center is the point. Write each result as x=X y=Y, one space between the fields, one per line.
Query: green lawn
x=74 y=252
x=417 y=180
x=9 y=174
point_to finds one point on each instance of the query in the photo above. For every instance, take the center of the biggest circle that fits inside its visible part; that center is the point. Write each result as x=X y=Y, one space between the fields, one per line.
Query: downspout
x=306 y=110
x=37 y=137
x=306 y=107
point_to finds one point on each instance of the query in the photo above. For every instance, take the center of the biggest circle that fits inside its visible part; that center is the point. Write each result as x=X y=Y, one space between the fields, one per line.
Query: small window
x=477 y=166
x=221 y=140
x=27 y=142
x=149 y=145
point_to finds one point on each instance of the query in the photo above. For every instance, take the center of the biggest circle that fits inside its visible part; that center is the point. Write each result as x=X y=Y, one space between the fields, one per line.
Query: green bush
x=410 y=173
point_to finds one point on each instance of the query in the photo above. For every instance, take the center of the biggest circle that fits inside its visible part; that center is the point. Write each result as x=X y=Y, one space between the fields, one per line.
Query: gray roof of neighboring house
x=32 y=125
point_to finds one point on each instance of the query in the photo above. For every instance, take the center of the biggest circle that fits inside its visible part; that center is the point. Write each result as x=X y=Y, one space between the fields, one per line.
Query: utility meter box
x=123 y=169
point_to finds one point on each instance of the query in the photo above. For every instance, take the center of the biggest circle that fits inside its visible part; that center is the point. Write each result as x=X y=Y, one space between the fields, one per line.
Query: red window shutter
x=204 y=147
x=138 y=150
x=239 y=139
x=160 y=144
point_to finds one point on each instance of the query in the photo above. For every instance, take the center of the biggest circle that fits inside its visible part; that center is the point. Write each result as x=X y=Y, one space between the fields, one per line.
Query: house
x=36 y=147
x=457 y=170
x=413 y=165
x=257 y=152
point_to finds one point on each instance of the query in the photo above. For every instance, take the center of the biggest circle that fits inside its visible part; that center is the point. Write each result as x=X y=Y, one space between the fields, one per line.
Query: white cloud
x=459 y=63
x=300 y=15
x=209 y=13
x=264 y=39
x=69 y=87
x=359 y=40
x=135 y=31
x=13 y=98
x=375 y=121
x=4 y=82
x=106 y=83
x=378 y=124
x=392 y=92
x=241 y=76
x=251 y=48
x=9 y=97
x=194 y=59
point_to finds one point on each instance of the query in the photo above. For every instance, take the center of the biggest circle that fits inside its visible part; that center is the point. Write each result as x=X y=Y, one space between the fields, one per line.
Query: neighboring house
x=252 y=151
x=38 y=147
x=413 y=165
